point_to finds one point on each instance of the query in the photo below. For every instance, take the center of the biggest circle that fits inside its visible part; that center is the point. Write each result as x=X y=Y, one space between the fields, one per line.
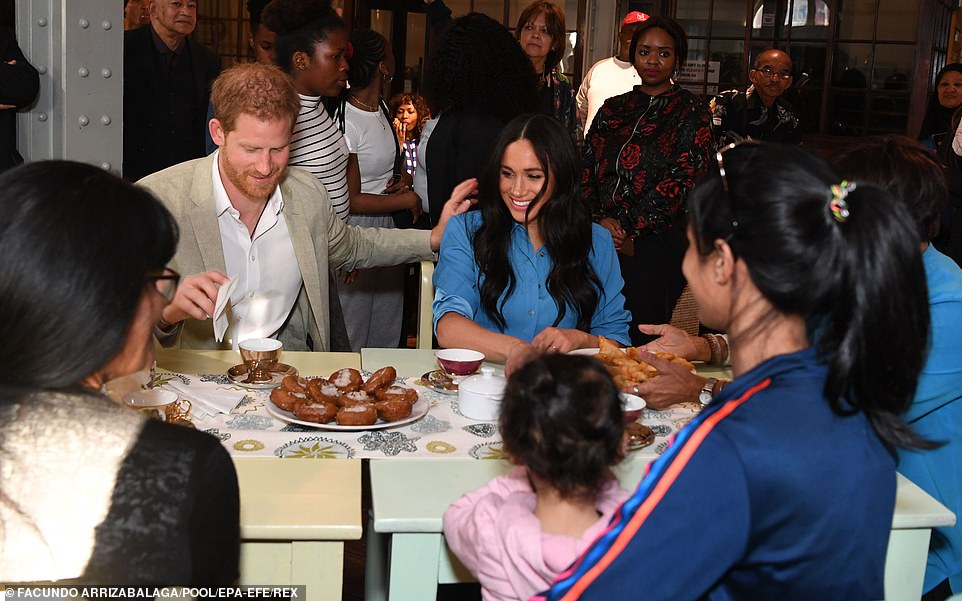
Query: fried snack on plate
x=626 y=366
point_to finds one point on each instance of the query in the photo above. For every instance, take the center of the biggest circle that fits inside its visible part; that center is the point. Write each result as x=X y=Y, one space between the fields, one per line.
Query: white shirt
x=264 y=265
x=606 y=78
x=368 y=135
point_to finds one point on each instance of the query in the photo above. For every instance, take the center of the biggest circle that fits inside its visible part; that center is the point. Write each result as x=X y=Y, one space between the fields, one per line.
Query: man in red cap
x=611 y=76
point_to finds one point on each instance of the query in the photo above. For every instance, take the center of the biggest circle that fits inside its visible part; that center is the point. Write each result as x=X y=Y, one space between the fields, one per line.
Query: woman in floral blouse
x=645 y=151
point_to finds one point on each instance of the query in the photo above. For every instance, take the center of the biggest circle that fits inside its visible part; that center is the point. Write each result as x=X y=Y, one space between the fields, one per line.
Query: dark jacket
x=142 y=92
x=19 y=85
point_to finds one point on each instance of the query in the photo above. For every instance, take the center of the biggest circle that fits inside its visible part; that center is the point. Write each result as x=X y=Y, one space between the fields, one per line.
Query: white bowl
x=632 y=405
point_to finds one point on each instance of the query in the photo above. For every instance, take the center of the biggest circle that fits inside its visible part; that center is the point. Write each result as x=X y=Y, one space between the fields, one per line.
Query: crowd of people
x=557 y=214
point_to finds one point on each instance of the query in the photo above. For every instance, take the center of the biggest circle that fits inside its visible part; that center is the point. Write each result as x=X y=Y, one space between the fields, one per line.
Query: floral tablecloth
x=443 y=432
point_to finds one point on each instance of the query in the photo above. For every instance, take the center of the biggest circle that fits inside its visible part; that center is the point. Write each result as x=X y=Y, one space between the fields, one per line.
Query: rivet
x=83 y=120
x=42 y=21
x=106 y=73
x=83 y=72
x=105 y=166
x=106 y=25
x=84 y=23
x=105 y=120
x=41 y=116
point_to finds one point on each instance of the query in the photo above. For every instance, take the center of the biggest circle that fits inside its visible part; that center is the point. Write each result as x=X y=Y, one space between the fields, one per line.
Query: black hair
x=859 y=283
x=420 y=106
x=368 y=52
x=76 y=247
x=908 y=170
x=479 y=67
x=300 y=26
x=669 y=26
x=561 y=418
x=937 y=117
x=563 y=219
x=255 y=8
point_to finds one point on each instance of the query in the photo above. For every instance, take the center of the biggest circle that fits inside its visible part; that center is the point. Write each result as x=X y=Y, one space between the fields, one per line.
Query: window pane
x=693 y=16
x=893 y=66
x=514 y=11
x=764 y=16
x=728 y=18
x=809 y=19
x=847 y=101
x=381 y=22
x=692 y=75
x=808 y=68
x=414 y=51
x=729 y=55
x=897 y=20
x=856 y=19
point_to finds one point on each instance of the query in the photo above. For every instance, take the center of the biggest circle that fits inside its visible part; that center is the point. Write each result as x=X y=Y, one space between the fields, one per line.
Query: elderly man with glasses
x=760 y=112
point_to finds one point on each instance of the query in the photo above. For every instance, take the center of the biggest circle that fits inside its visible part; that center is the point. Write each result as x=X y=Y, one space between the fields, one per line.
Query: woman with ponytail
x=783 y=487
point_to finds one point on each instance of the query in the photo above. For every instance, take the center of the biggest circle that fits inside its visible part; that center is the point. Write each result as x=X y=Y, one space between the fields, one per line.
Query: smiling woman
x=528 y=272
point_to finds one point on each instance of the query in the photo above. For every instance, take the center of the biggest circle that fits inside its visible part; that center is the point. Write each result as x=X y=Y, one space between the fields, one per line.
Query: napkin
x=207 y=398
x=220 y=314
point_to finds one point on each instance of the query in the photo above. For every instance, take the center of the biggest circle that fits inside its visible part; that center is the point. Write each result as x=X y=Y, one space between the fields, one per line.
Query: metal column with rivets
x=77 y=46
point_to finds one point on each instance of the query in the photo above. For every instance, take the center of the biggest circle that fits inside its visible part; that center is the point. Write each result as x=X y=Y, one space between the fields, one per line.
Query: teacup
x=260 y=355
x=158 y=404
x=459 y=361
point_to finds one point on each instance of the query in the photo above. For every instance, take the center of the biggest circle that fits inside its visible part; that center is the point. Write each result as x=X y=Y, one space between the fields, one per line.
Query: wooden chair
x=425 y=300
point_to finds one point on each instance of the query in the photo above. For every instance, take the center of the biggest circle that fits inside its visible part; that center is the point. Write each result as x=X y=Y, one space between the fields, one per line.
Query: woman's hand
x=674 y=384
x=562 y=340
x=618 y=234
x=462 y=198
x=519 y=354
x=673 y=340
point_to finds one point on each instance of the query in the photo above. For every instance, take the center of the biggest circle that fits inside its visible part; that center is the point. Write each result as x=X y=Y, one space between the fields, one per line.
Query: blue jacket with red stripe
x=767 y=494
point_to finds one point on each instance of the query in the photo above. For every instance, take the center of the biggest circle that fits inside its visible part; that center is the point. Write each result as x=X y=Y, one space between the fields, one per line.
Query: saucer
x=439 y=381
x=238 y=374
x=639 y=436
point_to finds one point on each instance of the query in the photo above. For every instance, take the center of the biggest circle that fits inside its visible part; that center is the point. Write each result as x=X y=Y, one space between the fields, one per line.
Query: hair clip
x=838 y=205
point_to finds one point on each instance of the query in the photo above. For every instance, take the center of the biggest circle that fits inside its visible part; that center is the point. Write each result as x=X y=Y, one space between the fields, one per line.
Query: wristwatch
x=705 y=394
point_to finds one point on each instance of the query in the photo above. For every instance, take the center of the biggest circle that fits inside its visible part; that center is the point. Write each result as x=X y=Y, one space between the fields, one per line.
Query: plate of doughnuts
x=347 y=401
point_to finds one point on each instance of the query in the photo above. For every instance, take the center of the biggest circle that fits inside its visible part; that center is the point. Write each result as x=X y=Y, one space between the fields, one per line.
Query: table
x=294 y=515
x=407 y=557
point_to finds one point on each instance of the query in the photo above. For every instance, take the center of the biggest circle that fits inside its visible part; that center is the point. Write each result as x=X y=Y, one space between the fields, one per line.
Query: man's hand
x=462 y=198
x=562 y=340
x=618 y=234
x=673 y=340
x=673 y=384
x=195 y=297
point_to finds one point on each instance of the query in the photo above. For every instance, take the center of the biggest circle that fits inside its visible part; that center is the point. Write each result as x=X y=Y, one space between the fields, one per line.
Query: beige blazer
x=321 y=242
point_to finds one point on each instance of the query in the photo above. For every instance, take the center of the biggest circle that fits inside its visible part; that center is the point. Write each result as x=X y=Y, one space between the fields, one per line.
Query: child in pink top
x=562 y=425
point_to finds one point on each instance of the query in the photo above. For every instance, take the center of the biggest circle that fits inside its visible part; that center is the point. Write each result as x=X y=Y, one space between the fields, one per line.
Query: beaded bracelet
x=718 y=346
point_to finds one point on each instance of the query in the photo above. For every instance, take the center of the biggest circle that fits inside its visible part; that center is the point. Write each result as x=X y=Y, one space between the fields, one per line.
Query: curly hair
x=564 y=222
x=300 y=26
x=561 y=418
x=554 y=20
x=479 y=67
x=420 y=107
x=263 y=91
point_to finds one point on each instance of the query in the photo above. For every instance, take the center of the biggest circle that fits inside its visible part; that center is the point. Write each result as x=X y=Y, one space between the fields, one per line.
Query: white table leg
x=414 y=561
x=319 y=565
x=905 y=564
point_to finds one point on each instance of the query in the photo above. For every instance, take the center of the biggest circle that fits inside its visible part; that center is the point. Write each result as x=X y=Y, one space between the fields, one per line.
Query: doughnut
x=320 y=413
x=380 y=379
x=391 y=411
x=397 y=393
x=287 y=400
x=322 y=391
x=294 y=384
x=347 y=379
x=354 y=398
x=357 y=415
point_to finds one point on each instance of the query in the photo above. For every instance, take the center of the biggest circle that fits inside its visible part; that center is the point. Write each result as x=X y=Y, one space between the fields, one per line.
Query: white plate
x=419 y=410
x=590 y=352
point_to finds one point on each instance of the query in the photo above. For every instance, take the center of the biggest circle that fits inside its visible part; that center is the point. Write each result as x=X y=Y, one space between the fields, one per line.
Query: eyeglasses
x=166 y=282
x=769 y=73
x=726 y=185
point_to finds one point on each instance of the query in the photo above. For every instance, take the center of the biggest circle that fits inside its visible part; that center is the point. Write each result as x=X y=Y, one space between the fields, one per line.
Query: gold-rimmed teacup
x=158 y=404
x=260 y=356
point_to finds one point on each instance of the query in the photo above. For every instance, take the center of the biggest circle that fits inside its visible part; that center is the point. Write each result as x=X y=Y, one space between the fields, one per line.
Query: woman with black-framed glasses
x=783 y=487
x=91 y=490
